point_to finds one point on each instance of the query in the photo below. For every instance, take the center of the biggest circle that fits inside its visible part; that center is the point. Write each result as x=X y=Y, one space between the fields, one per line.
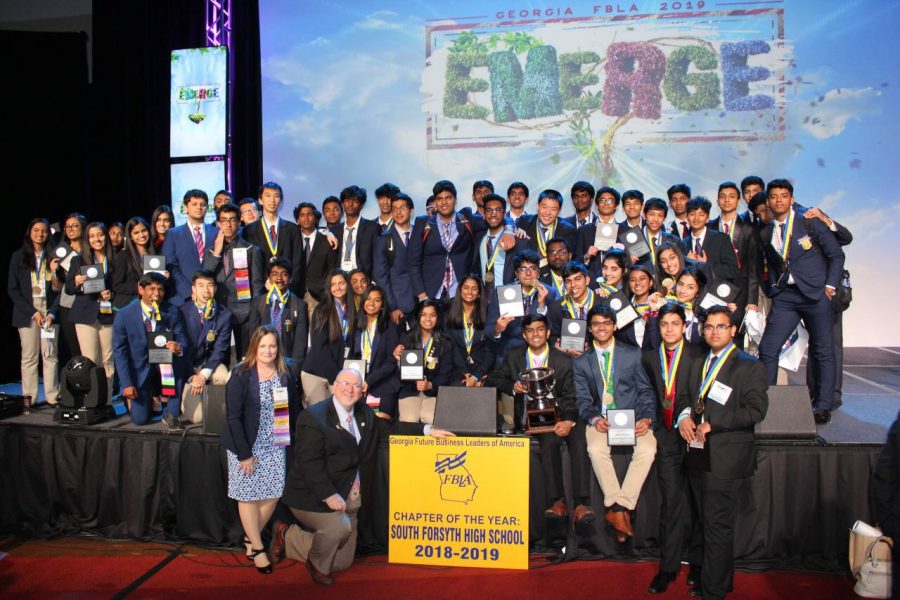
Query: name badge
x=280 y=397
x=48 y=333
x=346 y=352
x=719 y=392
x=106 y=307
x=696 y=444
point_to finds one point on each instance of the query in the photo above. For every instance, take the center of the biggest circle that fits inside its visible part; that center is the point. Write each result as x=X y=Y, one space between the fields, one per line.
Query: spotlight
x=82 y=393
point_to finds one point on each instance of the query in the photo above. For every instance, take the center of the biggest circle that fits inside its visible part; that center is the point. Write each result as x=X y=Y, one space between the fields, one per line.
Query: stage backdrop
x=636 y=95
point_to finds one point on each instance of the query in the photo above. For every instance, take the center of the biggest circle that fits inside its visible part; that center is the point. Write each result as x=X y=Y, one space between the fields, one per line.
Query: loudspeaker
x=466 y=410
x=789 y=416
x=214 y=409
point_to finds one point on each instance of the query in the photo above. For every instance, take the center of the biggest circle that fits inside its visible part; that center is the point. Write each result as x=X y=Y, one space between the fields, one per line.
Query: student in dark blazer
x=208 y=328
x=185 y=245
x=391 y=264
x=319 y=256
x=805 y=265
x=141 y=382
x=669 y=368
x=219 y=259
x=569 y=429
x=465 y=326
x=609 y=376
x=69 y=246
x=547 y=225
x=724 y=399
x=582 y=194
x=690 y=286
x=275 y=236
x=576 y=304
x=30 y=285
x=129 y=264
x=374 y=340
x=641 y=333
x=332 y=476
x=330 y=338
x=417 y=399
x=92 y=313
x=285 y=311
x=502 y=264
x=356 y=236
x=715 y=248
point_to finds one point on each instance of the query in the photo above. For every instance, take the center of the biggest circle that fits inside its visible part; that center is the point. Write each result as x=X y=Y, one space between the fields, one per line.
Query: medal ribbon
x=607 y=376
x=559 y=283
x=367 y=345
x=709 y=377
x=208 y=310
x=283 y=298
x=570 y=303
x=540 y=360
x=345 y=324
x=652 y=245
x=151 y=313
x=273 y=247
x=668 y=371
x=490 y=264
x=468 y=333
x=542 y=243
x=427 y=348
x=786 y=236
x=608 y=288
x=40 y=273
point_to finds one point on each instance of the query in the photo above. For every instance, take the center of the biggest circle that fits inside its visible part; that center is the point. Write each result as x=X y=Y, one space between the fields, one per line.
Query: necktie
x=669 y=413
x=306 y=249
x=406 y=238
x=684 y=229
x=448 y=266
x=711 y=363
x=727 y=228
x=276 y=314
x=489 y=252
x=274 y=235
x=781 y=236
x=198 y=240
x=351 y=427
x=697 y=248
x=581 y=317
x=348 y=249
x=582 y=222
x=148 y=324
x=526 y=298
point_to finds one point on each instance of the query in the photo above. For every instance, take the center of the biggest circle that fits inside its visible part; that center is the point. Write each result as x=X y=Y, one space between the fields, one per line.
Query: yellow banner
x=459 y=502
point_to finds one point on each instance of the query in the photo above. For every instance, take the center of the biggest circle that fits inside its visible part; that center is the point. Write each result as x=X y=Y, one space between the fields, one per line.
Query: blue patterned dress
x=267 y=480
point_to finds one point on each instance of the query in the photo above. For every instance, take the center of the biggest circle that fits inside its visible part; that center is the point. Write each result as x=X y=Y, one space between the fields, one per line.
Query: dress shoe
x=693 y=578
x=277 y=548
x=559 y=510
x=507 y=429
x=172 y=422
x=696 y=591
x=616 y=518
x=261 y=552
x=626 y=518
x=317 y=576
x=661 y=582
x=248 y=548
x=584 y=515
x=822 y=416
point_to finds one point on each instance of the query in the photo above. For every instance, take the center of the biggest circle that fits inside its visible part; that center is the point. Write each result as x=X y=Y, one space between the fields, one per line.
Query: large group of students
x=667 y=297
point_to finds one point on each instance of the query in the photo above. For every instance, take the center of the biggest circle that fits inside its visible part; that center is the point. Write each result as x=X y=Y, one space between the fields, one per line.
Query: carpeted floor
x=95 y=568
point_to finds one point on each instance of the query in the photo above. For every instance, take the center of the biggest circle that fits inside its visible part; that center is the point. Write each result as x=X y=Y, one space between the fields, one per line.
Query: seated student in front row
x=417 y=398
x=374 y=340
x=208 y=327
x=142 y=383
x=569 y=430
x=609 y=376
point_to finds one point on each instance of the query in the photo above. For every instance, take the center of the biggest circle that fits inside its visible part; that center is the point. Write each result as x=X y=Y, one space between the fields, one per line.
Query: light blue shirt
x=499 y=264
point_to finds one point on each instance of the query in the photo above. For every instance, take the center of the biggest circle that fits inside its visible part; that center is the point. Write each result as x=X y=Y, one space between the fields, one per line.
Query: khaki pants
x=34 y=348
x=192 y=404
x=507 y=408
x=95 y=341
x=332 y=542
x=311 y=304
x=417 y=409
x=627 y=494
x=315 y=388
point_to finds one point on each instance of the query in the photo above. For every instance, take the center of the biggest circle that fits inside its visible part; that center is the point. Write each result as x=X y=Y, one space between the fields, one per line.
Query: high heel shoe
x=248 y=547
x=266 y=569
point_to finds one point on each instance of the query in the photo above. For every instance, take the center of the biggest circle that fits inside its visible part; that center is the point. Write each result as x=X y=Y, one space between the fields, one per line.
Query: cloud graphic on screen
x=827 y=116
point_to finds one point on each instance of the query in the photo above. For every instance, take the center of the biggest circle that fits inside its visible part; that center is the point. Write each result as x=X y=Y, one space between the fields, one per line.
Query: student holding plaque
x=575 y=305
x=33 y=290
x=643 y=332
x=146 y=382
x=609 y=377
x=465 y=326
x=92 y=310
x=417 y=398
x=73 y=232
x=586 y=248
x=615 y=271
x=669 y=368
x=725 y=397
x=129 y=264
x=374 y=340
x=330 y=339
x=569 y=429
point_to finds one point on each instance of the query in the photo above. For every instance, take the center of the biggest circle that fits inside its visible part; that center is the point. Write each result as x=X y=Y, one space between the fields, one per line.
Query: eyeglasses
x=531 y=268
x=231 y=220
x=717 y=327
x=493 y=211
x=606 y=201
x=74 y=226
x=355 y=386
x=557 y=251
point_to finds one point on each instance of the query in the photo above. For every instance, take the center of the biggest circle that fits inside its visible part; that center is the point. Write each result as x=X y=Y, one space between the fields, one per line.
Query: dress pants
x=330 y=542
x=788 y=307
x=812 y=367
x=192 y=404
x=417 y=409
x=673 y=518
x=551 y=462
x=36 y=348
x=315 y=388
x=626 y=494
x=718 y=512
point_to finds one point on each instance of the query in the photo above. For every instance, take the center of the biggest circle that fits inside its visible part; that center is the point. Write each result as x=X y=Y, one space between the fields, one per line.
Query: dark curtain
x=246 y=134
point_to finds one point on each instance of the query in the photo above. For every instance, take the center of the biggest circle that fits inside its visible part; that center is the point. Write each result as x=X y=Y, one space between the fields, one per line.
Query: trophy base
x=540 y=420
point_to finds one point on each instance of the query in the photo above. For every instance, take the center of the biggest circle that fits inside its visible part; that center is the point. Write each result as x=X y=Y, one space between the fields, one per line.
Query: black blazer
x=289 y=247
x=563 y=230
x=242 y=410
x=731 y=446
x=381 y=372
x=294 y=335
x=652 y=338
x=478 y=362
x=327 y=457
x=366 y=234
x=322 y=259
x=86 y=307
x=507 y=374
x=441 y=374
x=223 y=268
x=324 y=357
x=720 y=258
x=746 y=243
x=18 y=286
x=124 y=279
x=650 y=363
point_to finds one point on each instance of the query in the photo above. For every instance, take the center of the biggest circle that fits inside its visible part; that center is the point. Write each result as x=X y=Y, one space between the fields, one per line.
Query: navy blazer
x=325 y=357
x=381 y=372
x=509 y=270
x=200 y=351
x=294 y=337
x=289 y=246
x=18 y=286
x=652 y=338
x=182 y=260
x=130 y=350
x=242 y=410
x=393 y=275
x=478 y=362
x=442 y=351
x=86 y=307
x=428 y=257
x=812 y=269
x=512 y=335
x=223 y=268
x=366 y=234
x=631 y=386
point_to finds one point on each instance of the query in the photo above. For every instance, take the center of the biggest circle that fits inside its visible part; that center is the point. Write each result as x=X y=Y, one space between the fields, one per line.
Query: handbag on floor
x=873 y=575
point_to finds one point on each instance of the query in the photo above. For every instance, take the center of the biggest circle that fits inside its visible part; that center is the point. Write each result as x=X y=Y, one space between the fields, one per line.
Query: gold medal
x=211 y=336
x=607 y=399
x=36 y=290
x=431 y=363
x=489 y=277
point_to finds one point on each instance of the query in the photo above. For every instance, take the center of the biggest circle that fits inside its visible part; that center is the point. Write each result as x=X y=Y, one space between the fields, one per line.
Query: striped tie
x=198 y=240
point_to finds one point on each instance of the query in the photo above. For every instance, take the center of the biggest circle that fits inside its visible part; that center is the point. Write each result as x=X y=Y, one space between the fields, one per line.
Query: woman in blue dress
x=261 y=405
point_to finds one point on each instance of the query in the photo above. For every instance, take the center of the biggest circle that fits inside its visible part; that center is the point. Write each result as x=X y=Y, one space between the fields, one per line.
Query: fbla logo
x=457 y=483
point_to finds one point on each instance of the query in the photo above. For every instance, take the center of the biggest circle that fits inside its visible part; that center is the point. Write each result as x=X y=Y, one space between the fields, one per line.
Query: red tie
x=669 y=413
x=727 y=229
x=273 y=234
x=198 y=239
